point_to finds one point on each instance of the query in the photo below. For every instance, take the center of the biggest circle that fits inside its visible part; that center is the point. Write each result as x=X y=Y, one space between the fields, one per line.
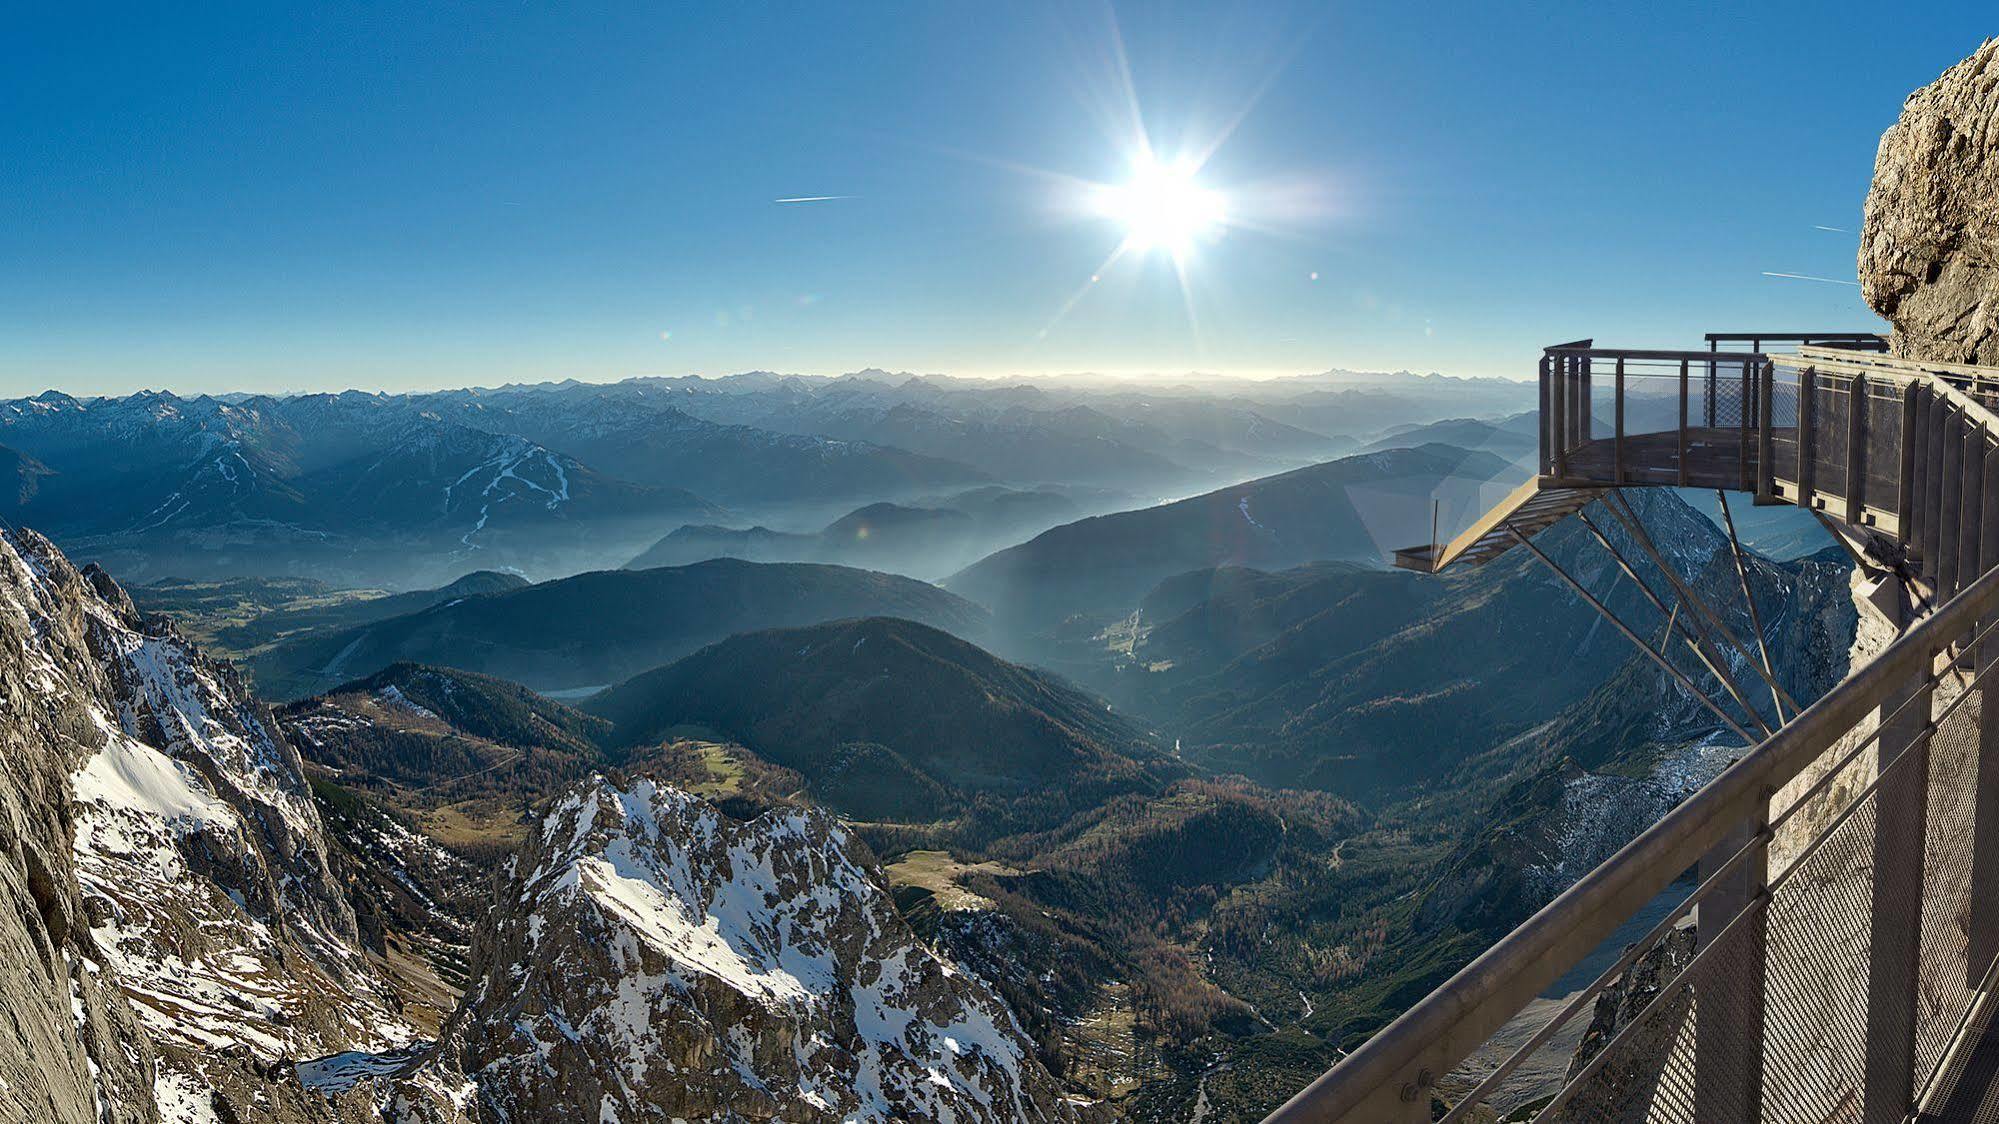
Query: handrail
x=1444 y=1027
x=1641 y=353
x=1795 y=337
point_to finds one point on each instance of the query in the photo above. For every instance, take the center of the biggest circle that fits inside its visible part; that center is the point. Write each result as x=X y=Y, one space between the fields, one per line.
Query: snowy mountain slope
x=652 y=960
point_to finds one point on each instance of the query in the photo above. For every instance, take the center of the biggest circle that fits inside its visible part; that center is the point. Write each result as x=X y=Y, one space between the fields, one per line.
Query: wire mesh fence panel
x=1816 y=980
x=1783 y=409
x=1831 y=405
x=1882 y=437
x=1734 y=393
x=1945 y=985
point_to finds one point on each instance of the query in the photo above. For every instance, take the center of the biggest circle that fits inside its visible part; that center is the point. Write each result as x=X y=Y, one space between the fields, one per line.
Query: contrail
x=812 y=199
x=1809 y=277
x=1834 y=229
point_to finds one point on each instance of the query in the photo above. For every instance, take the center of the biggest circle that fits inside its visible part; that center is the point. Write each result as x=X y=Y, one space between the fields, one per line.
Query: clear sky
x=216 y=198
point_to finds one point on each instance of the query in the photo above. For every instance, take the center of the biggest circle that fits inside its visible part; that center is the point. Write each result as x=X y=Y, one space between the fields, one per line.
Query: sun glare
x=1162 y=207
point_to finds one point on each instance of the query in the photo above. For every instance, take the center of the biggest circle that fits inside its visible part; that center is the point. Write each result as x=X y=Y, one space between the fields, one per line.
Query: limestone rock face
x=654 y=960
x=173 y=941
x=1929 y=247
x=70 y=1044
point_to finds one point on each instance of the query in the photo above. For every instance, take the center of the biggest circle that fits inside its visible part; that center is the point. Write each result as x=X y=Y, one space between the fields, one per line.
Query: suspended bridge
x=1829 y=948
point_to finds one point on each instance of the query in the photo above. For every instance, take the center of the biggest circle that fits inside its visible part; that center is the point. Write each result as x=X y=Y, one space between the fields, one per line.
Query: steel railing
x=1828 y=907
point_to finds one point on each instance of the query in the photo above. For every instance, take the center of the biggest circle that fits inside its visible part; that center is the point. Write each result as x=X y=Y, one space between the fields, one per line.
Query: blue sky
x=452 y=195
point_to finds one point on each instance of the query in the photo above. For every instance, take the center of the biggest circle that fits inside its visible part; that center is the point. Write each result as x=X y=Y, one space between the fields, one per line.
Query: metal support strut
x=1702 y=613
x=1665 y=664
x=1749 y=599
x=1716 y=666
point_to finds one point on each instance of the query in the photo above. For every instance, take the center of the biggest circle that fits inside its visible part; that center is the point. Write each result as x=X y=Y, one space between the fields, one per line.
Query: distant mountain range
x=926 y=538
x=1357 y=508
x=416 y=489
x=595 y=629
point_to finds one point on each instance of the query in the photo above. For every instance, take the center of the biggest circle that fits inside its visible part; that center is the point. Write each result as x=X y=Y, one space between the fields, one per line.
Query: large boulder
x=1929 y=249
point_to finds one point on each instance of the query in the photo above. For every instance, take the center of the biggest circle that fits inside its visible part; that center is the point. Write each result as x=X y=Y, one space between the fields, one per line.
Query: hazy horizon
x=327 y=200
x=1153 y=379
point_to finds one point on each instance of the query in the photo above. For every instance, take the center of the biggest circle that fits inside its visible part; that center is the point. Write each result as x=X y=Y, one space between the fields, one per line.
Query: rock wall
x=70 y=1049
x=173 y=941
x=1929 y=246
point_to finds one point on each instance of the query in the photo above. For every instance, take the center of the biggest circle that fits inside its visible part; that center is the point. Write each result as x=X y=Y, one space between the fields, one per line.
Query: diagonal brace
x=1665 y=664
x=1701 y=611
x=1714 y=663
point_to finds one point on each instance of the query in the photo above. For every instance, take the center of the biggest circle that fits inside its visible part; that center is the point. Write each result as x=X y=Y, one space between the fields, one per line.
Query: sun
x=1162 y=207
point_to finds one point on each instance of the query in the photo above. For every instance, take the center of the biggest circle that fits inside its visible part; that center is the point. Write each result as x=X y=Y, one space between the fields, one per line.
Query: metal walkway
x=1834 y=960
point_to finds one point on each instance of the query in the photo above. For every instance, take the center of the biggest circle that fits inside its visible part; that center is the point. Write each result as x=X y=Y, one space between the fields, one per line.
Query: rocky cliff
x=176 y=941
x=1929 y=249
x=654 y=960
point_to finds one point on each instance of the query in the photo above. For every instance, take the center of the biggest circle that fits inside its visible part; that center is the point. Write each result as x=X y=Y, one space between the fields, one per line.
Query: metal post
x=1856 y=450
x=1728 y=1044
x=1587 y=418
x=1680 y=456
x=1901 y=805
x=1915 y=464
x=1558 y=369
x=1807 y=454
x=1988 y=521
x=1766 y=458
x=1617 y=435
x=1935 y=437
x=1950 y=498
x=1547 y=418
x=1971 y=502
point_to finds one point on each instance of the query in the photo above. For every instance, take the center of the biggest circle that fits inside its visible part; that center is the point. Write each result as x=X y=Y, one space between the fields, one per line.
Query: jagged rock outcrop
x=177 y=941
x=1929 y=249
x=1613 y=1094
x=654 y=960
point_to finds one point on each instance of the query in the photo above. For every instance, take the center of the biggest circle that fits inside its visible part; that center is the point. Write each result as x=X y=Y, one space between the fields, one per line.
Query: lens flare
x=1162 y=207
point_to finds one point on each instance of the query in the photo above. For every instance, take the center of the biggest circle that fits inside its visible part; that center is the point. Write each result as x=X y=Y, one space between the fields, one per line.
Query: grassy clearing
x=473 y=823
x=938 y=872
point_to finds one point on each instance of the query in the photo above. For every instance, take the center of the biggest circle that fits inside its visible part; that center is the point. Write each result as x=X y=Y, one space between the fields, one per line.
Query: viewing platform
x=1826 y=942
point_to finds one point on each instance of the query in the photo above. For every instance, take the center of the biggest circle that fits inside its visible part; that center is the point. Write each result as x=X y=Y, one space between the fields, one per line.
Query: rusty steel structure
x=1826 y=940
